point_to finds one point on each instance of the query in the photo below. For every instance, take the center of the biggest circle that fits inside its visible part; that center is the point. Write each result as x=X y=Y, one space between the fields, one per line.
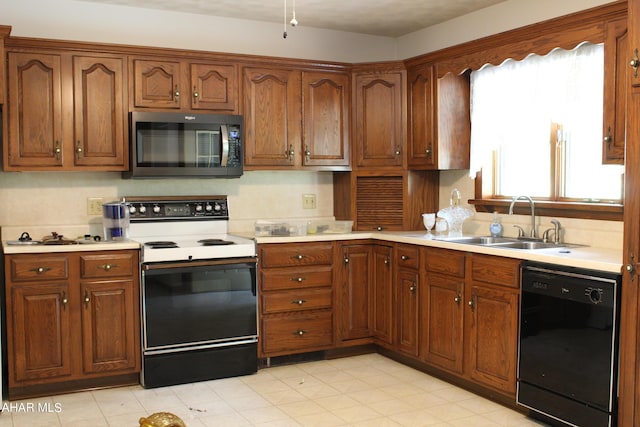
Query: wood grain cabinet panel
x=214 y=87
x=40 y=332
x=35 y=111
x=296 y=288
x=71 y=326
x=157 y=84
x=470 y=320
x=379 y=119
x=48 y=131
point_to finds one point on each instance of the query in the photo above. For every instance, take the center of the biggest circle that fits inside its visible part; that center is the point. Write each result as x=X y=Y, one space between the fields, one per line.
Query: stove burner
x=214 y=242
x=160 y=244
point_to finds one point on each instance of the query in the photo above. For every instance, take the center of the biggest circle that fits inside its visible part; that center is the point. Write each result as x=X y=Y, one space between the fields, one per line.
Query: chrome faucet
x=534 y=234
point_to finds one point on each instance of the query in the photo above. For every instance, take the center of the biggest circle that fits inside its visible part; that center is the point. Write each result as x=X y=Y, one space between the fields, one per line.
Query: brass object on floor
x=162 y=419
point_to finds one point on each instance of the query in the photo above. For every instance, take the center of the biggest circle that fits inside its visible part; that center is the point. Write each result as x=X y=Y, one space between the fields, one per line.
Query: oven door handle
x=191 y=264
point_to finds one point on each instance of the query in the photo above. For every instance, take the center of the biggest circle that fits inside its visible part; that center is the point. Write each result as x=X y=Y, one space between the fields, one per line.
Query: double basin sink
x=506 y=242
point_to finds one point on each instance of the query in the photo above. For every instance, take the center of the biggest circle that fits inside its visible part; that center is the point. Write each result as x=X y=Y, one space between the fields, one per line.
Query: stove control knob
x=208 y=208
x=132 y=209
x=198 y=208
x=217 y=207
x=142 y=209
x=156 y=209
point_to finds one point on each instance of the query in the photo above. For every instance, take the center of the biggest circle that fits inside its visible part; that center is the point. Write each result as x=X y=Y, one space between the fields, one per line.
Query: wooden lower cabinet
x=67 y=325
x=470 y=316
x=354 y=292
x=296 y=298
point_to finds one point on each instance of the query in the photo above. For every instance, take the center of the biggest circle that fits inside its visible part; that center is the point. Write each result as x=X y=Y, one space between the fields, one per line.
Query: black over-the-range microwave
x=185 y=145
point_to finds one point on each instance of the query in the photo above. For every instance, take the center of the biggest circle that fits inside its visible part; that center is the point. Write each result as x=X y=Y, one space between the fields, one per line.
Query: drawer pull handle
x=65 y=300
x=298 y=257
x=299 y=301
x=298 y=279
x=107 y=267
x=87 y=298
x=300 y=332
x=404 y=258
x=40 y=270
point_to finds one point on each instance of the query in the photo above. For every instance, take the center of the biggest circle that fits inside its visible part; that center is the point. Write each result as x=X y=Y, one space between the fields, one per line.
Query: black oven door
x=191 y=305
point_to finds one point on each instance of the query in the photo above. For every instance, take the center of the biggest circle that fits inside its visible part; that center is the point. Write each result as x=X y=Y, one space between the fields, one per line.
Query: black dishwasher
x=568 y=345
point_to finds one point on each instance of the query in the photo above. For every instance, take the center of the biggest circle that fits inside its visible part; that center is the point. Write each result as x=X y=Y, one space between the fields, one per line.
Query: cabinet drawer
x=306 y=299
x=445 y=261
x=107 y=265
x=496 y=270
x=408 y=256
x=288 y=255
x=295 y=278
x=39 y=267
x=300 y=331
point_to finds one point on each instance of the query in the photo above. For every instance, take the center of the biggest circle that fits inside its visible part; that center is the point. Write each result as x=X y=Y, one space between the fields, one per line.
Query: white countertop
x=590 y=257
x=81 y=247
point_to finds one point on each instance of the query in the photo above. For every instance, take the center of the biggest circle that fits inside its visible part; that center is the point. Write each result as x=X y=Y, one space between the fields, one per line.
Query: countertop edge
x=602 y=259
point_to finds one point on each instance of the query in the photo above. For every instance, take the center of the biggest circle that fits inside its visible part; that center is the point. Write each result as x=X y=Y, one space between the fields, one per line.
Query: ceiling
x=390 y=18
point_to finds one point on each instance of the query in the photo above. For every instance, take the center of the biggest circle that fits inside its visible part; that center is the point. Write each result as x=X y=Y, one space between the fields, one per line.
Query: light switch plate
x=94 y=205
x=309 y=201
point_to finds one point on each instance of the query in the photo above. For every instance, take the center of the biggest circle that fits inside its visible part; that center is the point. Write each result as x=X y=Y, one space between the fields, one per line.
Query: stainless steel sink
x=506 y=242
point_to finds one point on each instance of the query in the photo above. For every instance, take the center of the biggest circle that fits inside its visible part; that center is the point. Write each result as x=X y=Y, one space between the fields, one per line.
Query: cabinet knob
x=404 y=258
x=107 y=267
x=195 y=95
x=413 y=288
x=176 y=94
x=300 y=332
x=379 y=228
x=608 y=138
x=298 y=302
x=65 y=300
x=87 y=298
x=307 y=154
x=290 y=153
x=398 y=151
x=79 y=149
x=458 y=299
x=298 y=257
x=297 y=279
x=58 y=150
x=40 y=270
x=635 y=63
x=346 y=260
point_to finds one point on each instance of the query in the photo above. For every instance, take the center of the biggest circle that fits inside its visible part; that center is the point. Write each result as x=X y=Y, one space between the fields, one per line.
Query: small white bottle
x=495 y=228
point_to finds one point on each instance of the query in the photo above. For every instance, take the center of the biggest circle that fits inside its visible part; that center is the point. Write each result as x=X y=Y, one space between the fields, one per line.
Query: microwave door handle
x=224 y=158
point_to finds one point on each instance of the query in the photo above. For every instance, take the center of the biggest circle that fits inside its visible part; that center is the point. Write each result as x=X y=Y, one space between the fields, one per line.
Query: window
x=536 y=128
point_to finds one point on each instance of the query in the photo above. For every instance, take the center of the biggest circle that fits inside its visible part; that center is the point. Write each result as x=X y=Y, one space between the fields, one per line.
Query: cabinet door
x=443 y=321
x=378 y=116
x=616 y=67
x=272 y=111
x=492 y=336
x=108 y=325
x=422 y=150
x=39 y=334
x=326 y=119
x=100 y=113
x=382 y=294
x=407 y=303
x=355 y=314
x=157 y=84
x=214 y=87
x=35 y=111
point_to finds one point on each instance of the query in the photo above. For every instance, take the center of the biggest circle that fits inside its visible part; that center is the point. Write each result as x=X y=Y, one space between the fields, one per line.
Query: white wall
x=56 y=200
x=491 y=20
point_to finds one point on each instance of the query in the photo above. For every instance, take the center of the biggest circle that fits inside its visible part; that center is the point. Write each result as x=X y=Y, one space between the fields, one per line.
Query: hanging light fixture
x=293 y=21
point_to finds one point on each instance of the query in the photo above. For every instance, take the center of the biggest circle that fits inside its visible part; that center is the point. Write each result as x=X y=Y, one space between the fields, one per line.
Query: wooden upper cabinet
x=616 y=68
x=50 y=132
x=183 y=85
x=379 y=114
x=277 y=133
x=272 y=109
x=214 y=87
x=35 y=111
x=100 y=115
x=157 y=84
x=439 y=119
x=326 y=119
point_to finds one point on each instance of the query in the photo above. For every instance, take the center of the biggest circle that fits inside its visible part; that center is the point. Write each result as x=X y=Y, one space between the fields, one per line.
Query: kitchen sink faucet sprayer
x=534 y=234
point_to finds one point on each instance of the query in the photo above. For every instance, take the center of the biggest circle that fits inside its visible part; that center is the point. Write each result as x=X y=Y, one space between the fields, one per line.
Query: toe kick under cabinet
x=72 y=321
x=296 y=298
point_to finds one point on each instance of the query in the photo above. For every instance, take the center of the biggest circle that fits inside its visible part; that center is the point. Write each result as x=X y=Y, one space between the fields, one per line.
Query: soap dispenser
x=495 y=228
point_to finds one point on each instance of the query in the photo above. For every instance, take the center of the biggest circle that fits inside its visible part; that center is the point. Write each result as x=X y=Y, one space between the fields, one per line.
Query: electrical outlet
x=94 y=205
x=309 y=201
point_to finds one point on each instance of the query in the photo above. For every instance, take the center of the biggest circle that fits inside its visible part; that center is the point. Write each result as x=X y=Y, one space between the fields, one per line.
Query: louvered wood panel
x=379 y=202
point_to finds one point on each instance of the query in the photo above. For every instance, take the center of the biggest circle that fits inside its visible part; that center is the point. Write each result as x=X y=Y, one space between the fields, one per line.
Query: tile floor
x=368 y=390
